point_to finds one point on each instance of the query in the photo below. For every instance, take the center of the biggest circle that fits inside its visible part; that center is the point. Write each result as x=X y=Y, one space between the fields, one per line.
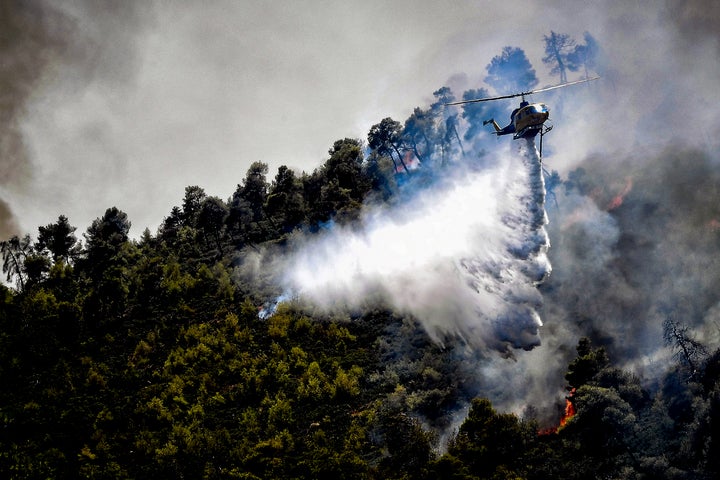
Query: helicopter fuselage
x=529 y=119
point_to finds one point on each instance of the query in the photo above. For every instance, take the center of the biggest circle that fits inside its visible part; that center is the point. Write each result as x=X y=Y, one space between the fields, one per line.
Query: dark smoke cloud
x=631 y=246
x=697 y=21
x=8 y=227
x=31 y=39
x=44 y=43
x=161 y=95
x=664 y=250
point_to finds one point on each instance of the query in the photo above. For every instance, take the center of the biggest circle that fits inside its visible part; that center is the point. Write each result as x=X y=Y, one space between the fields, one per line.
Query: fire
x=569 y=409
x=713 y=225
x=410 y=161
x=567 y=415
x=620 y=197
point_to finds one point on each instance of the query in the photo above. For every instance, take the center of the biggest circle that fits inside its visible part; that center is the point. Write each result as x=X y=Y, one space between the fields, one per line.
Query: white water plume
x=463 y=258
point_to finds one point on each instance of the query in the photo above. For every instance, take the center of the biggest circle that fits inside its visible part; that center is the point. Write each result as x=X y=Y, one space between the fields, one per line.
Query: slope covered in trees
x=141 y=358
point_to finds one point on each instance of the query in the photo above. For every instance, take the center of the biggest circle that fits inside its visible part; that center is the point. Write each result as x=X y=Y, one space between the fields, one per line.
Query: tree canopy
x=511 y=72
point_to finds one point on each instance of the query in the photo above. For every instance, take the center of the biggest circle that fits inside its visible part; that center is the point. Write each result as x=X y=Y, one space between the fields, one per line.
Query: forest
x=148 y=357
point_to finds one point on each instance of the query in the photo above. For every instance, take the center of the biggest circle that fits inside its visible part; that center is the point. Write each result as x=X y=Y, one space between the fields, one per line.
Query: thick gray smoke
x=632 y=246
x=464 y=258
x=52 y=53
x=27 y=46
x=149 y=97
x=660 y=258
x=634 y=229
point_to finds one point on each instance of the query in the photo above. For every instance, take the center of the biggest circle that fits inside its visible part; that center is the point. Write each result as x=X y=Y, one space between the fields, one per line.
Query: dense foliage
x=145 y=358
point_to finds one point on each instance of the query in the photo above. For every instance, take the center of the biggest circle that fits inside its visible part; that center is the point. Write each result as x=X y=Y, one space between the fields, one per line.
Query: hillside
x=194 y=352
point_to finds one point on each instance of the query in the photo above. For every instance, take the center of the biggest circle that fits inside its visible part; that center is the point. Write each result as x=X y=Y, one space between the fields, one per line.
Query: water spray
x=464 y=256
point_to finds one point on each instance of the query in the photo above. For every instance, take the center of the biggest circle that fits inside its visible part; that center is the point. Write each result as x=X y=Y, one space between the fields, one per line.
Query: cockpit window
x=538 y=108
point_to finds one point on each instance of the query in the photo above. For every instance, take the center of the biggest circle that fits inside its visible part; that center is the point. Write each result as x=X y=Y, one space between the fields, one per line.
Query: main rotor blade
x=522 y=94
x=488 y=99
x=566 y=84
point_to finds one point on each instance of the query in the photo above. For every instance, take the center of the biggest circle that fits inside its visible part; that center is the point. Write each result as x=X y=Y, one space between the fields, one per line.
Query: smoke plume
x=632 y=245
x=29 y=41
x=52 y=54
x=625 y=264
x=8 y=227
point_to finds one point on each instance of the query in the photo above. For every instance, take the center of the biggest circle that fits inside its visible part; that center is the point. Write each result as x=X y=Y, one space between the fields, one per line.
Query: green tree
x=408 y=443
x=211 y=220
x=58 y=238
x=491 y=444
x=170 y=227
x=36 y=267
x=511 y=72
x=381 y=173
x=338 y=188
x=604 y=427
x=108 y=252
x=588 y=363
x=192 y=202
x=345 y=166
x=386 y=139
x=246 y=218
x=107 y=234
x=285 y=204
x=420 y=134
x=254 y=189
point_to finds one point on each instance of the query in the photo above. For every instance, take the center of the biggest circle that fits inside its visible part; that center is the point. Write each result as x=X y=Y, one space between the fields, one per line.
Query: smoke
x=8 y=227
x=657 y=249
x=633 y=227
x=463 y=257
x=52 y=56
x=149 y=97
x=620 y=268
x=30 y=39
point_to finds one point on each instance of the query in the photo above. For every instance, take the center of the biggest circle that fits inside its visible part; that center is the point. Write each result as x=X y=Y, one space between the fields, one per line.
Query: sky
x=126 y=103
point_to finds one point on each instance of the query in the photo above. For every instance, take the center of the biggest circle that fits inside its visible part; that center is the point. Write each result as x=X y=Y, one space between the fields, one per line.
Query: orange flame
x=569 y=409
x=569 y=413
x=620 y=197
x=410 y=161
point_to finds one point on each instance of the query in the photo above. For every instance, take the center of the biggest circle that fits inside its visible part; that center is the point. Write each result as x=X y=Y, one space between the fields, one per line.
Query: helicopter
x=528 y=119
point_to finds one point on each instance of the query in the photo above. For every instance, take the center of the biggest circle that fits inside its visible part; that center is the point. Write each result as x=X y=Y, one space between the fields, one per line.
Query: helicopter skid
x=528 y=132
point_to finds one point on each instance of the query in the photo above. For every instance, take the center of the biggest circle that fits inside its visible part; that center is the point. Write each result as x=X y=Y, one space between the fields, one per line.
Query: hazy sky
x=125 y=104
